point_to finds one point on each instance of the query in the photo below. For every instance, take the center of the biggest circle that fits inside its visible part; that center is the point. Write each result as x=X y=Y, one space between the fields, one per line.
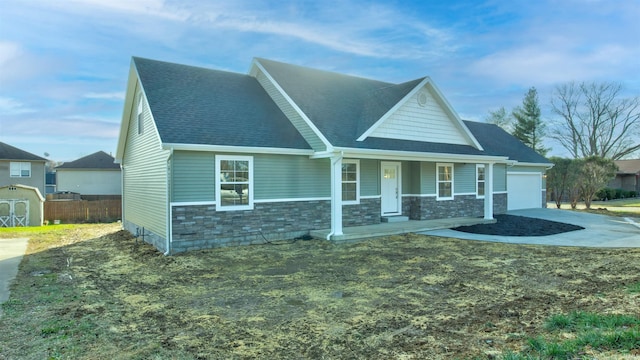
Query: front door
x=390 y=188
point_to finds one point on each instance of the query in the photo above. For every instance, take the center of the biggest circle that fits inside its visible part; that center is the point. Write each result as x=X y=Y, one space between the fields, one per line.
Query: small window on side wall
x=444 y=179
x=20 y=169
x=234 y=182
x=480 y=180
x=140 y=117
x=350 y=181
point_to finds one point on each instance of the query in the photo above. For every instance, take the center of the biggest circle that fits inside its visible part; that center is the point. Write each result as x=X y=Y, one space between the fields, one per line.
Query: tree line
x=593 y=123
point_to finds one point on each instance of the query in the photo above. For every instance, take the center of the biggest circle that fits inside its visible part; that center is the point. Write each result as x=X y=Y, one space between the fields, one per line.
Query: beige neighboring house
x=628 y=175
x=95 y=175
x=20 y=167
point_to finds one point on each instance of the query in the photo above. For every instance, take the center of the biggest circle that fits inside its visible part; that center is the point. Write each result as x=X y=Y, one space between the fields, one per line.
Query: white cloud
x=118 y=95
x=9 y=106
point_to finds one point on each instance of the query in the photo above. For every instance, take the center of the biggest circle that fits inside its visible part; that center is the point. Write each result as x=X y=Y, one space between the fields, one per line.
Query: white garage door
x=524 y=191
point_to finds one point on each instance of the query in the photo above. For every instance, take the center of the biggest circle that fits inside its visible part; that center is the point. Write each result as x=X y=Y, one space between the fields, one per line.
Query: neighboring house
x=50 y=183
x=215 y=158
x=20 y=167
x=628 y=175
x=95 y=175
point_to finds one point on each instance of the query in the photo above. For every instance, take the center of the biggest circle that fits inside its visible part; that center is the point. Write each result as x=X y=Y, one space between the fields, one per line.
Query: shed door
x=524 y=191
x=14 y=213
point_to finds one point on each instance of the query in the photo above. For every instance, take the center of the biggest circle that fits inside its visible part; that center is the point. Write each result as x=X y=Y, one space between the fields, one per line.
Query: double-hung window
x=480 y=180
x=444 y=179
x=234 y=182
x=19 y=169
x=350 y=181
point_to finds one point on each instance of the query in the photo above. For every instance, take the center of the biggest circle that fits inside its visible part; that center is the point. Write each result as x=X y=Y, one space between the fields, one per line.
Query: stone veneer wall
x=427 y=207
x=201 y=226
x=365 y=213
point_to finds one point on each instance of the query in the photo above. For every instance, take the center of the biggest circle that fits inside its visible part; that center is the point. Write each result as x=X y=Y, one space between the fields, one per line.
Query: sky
x=64 y=63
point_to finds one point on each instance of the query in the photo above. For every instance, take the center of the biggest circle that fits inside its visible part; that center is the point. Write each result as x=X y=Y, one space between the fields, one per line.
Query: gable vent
x=422 y=99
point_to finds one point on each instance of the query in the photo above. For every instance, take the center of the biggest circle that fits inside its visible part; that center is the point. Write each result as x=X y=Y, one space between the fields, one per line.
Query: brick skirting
x=427 y=207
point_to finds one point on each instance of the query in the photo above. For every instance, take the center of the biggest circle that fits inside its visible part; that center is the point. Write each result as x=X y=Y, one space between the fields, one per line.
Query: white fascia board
x=237 y=149
x=132 y=88
x=392 y=110
x=440 y=98
x=454 y=114
x=418 y=156
x=310 y=124
x=547 y=165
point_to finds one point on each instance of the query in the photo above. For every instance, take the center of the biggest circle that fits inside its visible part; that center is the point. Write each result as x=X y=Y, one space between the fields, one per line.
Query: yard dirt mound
x=399 y=297
x=512 y=225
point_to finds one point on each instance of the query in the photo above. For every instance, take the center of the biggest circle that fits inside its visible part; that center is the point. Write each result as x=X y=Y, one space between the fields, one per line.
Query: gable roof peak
x=97 y=160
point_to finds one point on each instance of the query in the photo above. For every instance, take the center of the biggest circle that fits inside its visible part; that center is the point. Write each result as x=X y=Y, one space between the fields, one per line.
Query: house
x=20 y=167
x=21 y=205
x=212 y=158
x=628 y=175
x=91 y=176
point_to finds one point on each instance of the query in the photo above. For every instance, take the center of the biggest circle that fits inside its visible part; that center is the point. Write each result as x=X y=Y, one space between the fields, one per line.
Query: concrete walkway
x=394 y=228
x=600 y=230
x=11 y=252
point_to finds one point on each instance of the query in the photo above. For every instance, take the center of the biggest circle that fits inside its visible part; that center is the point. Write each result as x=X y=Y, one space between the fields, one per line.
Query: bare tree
x=596 y=121
x=501 y=118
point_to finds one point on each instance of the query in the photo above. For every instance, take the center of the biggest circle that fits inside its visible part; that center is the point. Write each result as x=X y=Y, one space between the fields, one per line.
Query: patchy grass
x=89 y=291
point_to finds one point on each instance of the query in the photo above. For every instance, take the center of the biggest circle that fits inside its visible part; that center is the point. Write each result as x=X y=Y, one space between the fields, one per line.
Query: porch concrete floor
x=394 y=228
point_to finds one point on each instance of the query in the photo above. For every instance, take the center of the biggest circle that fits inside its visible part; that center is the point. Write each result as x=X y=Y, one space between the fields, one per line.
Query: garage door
x=524 y=191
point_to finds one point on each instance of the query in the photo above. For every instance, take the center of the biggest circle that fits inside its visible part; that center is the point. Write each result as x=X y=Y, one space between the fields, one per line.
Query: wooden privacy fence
x=83 y=211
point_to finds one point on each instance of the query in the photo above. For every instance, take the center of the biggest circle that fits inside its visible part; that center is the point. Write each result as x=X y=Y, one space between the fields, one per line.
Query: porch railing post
x=336 y=195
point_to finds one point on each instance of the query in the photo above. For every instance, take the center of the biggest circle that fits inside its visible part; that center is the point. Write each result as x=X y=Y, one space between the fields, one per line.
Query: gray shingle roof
x=495 y=141
x=99 y=160
x=341 y=106
x=8 y=152
x=193 y=105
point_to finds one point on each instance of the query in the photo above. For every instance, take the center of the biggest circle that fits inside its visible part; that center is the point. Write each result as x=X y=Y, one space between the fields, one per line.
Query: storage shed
x=21 y=205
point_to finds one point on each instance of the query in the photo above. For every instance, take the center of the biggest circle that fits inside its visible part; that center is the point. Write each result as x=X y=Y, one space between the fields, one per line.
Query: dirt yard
x=97 y=294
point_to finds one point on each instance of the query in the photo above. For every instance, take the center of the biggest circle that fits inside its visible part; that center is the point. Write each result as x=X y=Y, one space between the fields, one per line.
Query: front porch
x=394 y=228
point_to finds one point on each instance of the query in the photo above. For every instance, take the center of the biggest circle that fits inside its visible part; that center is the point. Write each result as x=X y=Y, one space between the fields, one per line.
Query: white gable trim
x=134 y=87
x=256 y=64
x=427 y=82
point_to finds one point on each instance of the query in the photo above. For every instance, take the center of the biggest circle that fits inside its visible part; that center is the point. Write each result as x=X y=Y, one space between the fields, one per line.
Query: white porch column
x=488 y=191
x=336 y=196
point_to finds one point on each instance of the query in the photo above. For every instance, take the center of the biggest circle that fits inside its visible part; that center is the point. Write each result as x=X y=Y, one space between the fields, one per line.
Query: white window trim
x=249 y=206
x=438 y=197
x=478 y=166
x=357 y=182
x=22 y=165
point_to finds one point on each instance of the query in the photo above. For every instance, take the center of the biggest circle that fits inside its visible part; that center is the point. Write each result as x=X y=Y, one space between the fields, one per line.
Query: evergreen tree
x=528 y=126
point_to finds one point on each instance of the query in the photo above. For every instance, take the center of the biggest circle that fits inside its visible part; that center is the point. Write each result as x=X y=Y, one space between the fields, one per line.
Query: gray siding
x=293 y=116
x=193 y=176
x=464 y=178
x=145 y=175
x=285 y=176
x=369 y=177
x=410 y=177
x=275 y=177
x=428 y=178
x=35 y=180
x=499 y=177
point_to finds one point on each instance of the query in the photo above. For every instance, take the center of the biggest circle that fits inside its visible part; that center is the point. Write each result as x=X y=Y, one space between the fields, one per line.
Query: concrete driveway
x=11 y=252
x=600 y=230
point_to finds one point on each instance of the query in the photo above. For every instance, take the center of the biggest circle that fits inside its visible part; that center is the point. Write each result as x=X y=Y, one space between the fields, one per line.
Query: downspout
x=122 y=195
x=169 y=230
